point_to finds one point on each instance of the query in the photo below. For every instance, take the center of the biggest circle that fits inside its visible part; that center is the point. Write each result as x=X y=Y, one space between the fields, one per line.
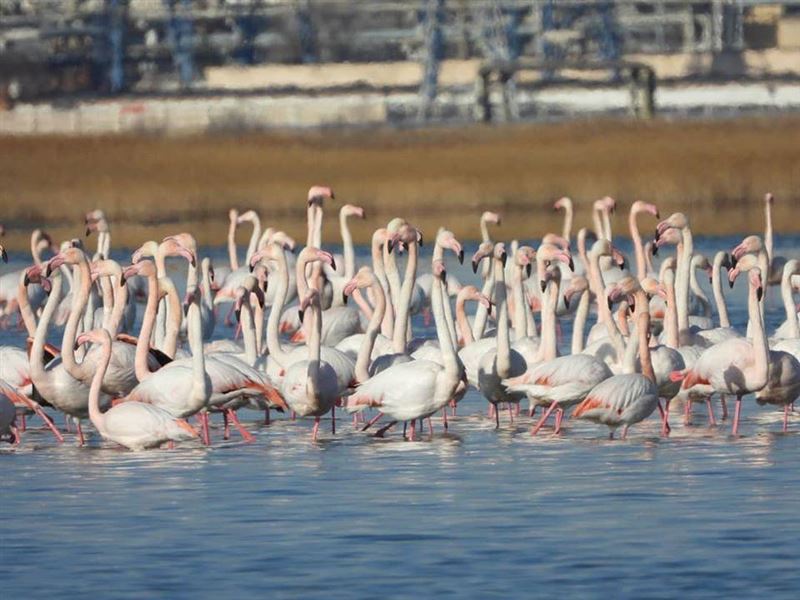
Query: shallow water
x=474 y=512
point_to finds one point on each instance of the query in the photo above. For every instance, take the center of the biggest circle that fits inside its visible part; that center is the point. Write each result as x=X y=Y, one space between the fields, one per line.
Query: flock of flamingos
x=306 y=350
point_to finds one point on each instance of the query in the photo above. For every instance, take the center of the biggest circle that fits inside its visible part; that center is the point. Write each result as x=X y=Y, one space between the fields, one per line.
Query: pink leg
x=711 y=420
x=625 y=432
x=544 y=418
x=517 y=409
x=430 y=426
x=266 y=416
x=736 y=414
x=559 y=416
x=17 y=435
x=315 y=429
x=510 y=413
x=444 y=417
x=229 y=314
x=666 y=413
x=294 y=415
x=491 y=410
x=205 y=417
x=665 y=428
x=23 y=425
x=785 y=418
x=372 y=421
x=81 y=440
x=687 y=412
x=496 y=416
x=532 y=410
x=246 y=435
x=333 y=420
x=47 y=421
x=724 y=402
x=413 y=430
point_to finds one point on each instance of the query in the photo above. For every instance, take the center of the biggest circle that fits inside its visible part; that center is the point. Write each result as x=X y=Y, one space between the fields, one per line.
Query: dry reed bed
x=717 y=171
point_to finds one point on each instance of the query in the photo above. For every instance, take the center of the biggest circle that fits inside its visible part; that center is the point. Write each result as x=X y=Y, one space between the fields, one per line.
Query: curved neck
x=25 y=310
x=671 y=317
x=347 y=247
x=315 y=335
x=393 y=278
x=603 y=311
x=482 y=313
x=120 y=302
x=233 y=259
x=449 y=357
x=387 y=325
x=503 y=359
x=95 y=416
x=548 y=348
x=685 y=252
x=373 y=328
x=281 y=279
x=40 y=335
x=719 y=296
x=461 y=318
x=759 y=340
x=254 y=237
x=148 y=322
x=201 y=386
x=79 y=300
x=566 y=231
x=579 y=325
x=248 y=332
x=641 y=266
x=35 y=252
x=520 y=321
x=768 y=239
x=174 y=318
x=642 y=330
x=108 y=302
x=401 y=322
x=606 y=224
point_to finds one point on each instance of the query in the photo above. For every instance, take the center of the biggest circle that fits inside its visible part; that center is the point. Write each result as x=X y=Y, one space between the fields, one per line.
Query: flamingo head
x=95 y=336
x=624 y=289
x=676 y=220
x=351 y=210
x=147 y=250
x=470 y=292
x=577 y=286
x=318 y=193
x=645 y=207
x=192 y=296
x=652 y=288
x=248 y=216
x=182 y=244
x=524 y=257
x=556 y=240
x=701 y=262
x=233 y=216
x=362 y=279
x=491 y=217
x=69 y=256
x=552 y=252
x=311 y=254
x=485 y=249
x=551 y=274
x=446 y=239
x=34 y=274
x=750 y=245
x=769 y=198
x=107 y=268
x=144 y=267
x=563 y=203
x=747 y=263
x=310 y=299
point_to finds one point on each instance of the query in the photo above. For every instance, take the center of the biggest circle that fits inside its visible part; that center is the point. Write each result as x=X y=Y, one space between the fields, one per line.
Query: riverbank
x=717 y=171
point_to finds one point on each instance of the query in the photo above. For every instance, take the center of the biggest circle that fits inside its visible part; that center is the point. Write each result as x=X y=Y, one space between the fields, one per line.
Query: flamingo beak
x=566 y=301
x=475 y=265
x=122 y=280
x=301 y=313
x=654 y=249
x=543 y=284
x=571 y=264
x=504 y=258
x=759 y=293
x=528 y=269
x=461 y=256
x=344 y=297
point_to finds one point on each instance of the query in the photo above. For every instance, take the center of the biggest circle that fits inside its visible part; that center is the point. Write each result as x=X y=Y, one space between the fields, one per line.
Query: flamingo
x=134 y=425
x=412 y=390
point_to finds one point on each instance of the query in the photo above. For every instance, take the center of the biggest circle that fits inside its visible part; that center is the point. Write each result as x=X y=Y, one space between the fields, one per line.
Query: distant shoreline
x=716 y=171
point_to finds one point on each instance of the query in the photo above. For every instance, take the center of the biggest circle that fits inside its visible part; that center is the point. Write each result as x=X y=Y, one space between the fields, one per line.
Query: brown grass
x=716 y=171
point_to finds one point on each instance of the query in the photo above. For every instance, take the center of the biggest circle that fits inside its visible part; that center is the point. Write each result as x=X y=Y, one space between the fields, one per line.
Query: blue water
x=473 y=513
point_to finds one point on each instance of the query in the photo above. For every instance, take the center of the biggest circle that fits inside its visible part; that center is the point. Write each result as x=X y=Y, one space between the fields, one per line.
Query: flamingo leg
x=81 y=439
x=315 y=430
x=625 y=432
x=382 y=431
x=666 y=412
x=294 y=415
x=665 y=428
x=333 y=420
x=496 y=416
x=711 y=420
x=444 y=418
x=559 y=417
x=16 y=434
x=736 y=414
x=413 y=430
x=372 y=421
x=687 y=412
x=510 y=413
x=544 y=418
x=724 y=402
x=246 y=435
x=785 y=418
x=203 y=416
x=517 y=409
x=227 y=431
x=49 y=422
x=23 y=425
x=267 y=420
